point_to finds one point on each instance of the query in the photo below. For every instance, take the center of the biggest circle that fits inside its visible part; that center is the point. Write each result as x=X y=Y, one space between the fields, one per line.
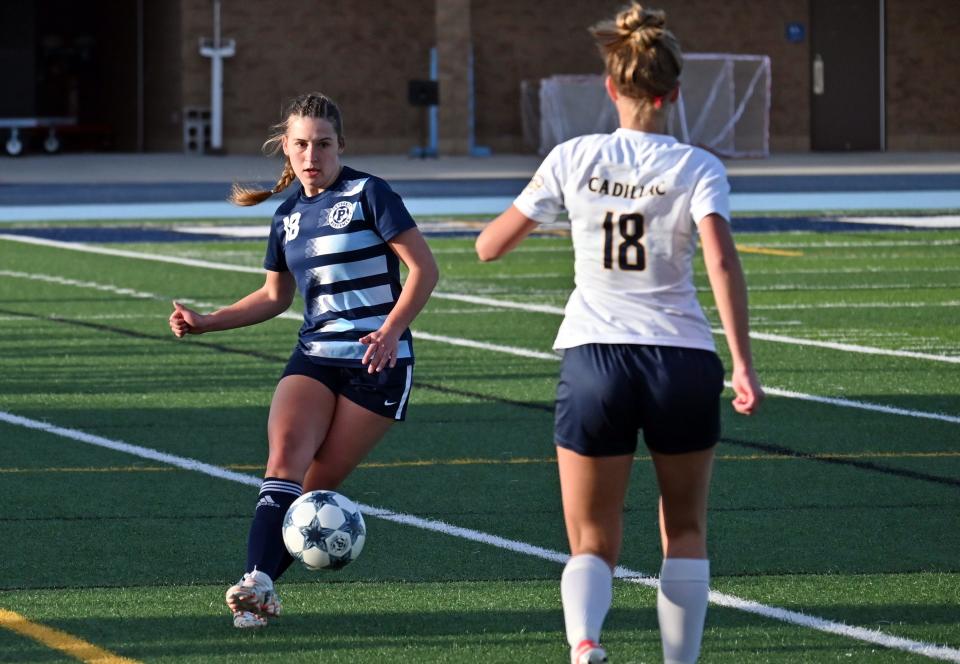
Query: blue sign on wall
x=796 y=32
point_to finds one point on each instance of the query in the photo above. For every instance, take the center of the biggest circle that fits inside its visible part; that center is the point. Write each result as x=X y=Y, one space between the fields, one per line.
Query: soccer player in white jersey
x=638 y=354
x=338 y=239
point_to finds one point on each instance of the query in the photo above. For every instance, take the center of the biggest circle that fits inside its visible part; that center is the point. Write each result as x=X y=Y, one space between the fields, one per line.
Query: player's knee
x=325 y=478
x=286 y=438
x=289 y=457
x=595 y=541
x=684 y=528
x=687 y=542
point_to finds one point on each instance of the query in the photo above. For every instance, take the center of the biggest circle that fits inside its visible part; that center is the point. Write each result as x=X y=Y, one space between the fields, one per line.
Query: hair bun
x=642 y=57
x=644 y=26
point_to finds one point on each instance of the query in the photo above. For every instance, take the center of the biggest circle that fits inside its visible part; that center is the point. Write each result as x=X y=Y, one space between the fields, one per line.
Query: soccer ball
x=324 y=530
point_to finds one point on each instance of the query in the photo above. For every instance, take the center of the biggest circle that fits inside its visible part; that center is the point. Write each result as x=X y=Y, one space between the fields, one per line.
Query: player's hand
x=381 y=350
x=747 y=390
x=184 y=321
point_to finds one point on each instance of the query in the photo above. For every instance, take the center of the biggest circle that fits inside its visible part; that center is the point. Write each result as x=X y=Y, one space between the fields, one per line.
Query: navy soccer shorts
x=609 y=392
x=385 y=393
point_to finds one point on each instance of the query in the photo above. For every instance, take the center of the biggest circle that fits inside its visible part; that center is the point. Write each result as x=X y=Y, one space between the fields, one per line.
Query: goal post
x=724 y=106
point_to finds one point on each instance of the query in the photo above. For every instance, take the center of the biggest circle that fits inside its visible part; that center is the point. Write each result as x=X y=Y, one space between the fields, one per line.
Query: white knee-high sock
x=587 y=591
x=682 y=607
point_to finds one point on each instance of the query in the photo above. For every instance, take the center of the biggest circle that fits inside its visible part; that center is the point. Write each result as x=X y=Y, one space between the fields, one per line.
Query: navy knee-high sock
x=265 y=548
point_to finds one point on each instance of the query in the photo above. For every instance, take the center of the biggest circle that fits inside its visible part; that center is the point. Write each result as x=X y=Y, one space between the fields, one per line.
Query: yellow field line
x=424 y=463
x=831 y=455
x=768 y=252
x=54 y=638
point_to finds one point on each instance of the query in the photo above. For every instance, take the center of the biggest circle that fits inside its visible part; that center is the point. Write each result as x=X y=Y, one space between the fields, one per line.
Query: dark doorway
x=847 y=66
x=76 y=65
x=87 y=68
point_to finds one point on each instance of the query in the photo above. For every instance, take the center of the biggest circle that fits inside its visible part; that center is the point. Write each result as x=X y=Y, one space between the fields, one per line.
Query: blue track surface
x=177 y=192
x=816 y=199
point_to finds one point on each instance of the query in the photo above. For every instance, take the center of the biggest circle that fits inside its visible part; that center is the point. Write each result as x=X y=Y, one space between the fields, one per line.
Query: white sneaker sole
x=248 y=620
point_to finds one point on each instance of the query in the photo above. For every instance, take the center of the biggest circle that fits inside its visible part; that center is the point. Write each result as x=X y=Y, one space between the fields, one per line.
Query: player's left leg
x=684 y=481
x=593 y=491
x=354 y=432
x=300 y=415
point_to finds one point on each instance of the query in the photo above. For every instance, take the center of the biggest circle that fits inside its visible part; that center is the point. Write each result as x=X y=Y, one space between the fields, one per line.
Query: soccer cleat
x=252 y=600
x=248 y=620
x=588 y=652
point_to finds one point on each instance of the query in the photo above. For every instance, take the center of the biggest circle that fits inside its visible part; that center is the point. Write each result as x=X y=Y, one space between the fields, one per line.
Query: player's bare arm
x=730 y=292
x=503 y=234
x=270 y=300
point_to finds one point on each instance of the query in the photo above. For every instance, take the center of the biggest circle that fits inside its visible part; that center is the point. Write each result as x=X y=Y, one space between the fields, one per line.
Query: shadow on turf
x=473 y=632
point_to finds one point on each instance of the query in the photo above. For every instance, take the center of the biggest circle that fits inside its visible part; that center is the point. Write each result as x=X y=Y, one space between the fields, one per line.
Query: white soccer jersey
x=634 y=200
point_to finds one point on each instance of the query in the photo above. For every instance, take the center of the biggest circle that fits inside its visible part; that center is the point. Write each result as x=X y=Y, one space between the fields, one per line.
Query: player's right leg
x=300 y=416
x=593 y=491
x=596 y=435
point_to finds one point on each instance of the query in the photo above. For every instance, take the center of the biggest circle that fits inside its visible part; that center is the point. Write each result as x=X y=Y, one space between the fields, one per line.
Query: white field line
x=506 y=304
x=514 y=350
x=25 y=319
x=853 y=348
x=854 y=270
x=877 y=637
x=502 y=304
x=486 y=301
x=482 y=345
x=851 y=305
x=852 y=245
x=807 y=288
x=862 y=405
x=107 y=251
x=497 y=348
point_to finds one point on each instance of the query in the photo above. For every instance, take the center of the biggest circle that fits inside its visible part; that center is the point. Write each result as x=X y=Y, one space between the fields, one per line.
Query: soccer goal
x=724 y=106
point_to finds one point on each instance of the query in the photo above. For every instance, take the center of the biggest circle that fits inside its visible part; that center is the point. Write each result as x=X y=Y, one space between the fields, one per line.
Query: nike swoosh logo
x=390 y=403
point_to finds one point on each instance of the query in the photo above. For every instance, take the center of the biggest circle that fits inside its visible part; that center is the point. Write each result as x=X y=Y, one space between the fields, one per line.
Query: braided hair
x=310 y=105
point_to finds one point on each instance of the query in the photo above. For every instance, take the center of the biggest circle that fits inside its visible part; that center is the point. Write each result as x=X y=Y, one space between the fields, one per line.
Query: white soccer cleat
x=252 y=600
x=588 y=652
x=248 y=620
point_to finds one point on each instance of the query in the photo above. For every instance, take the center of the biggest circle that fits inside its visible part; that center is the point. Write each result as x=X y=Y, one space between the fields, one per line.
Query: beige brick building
x=148 y=68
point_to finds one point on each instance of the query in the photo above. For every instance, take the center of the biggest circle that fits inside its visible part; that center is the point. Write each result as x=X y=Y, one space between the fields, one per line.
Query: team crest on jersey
x=535 y=184
x=291 y=227
x=341 y=214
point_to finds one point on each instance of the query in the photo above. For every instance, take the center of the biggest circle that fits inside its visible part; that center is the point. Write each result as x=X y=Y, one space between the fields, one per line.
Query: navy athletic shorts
x=385 y=393
x=609 y=392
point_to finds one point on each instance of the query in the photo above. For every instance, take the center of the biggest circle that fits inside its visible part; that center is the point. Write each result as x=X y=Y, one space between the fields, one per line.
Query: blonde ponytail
x=310 y=105
x=241 y=195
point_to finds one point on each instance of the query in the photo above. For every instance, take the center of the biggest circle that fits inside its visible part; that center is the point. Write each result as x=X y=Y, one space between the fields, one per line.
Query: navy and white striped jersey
x=335 y=245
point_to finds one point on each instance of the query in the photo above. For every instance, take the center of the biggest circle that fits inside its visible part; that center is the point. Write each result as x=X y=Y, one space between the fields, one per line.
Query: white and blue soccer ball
x=324 y=530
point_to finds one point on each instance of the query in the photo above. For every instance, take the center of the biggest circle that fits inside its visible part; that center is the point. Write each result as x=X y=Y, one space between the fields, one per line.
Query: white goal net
x=724 y=106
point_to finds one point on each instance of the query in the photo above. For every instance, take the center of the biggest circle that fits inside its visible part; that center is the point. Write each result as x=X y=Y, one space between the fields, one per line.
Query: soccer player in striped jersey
x=638 y=353
x=338 y=239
